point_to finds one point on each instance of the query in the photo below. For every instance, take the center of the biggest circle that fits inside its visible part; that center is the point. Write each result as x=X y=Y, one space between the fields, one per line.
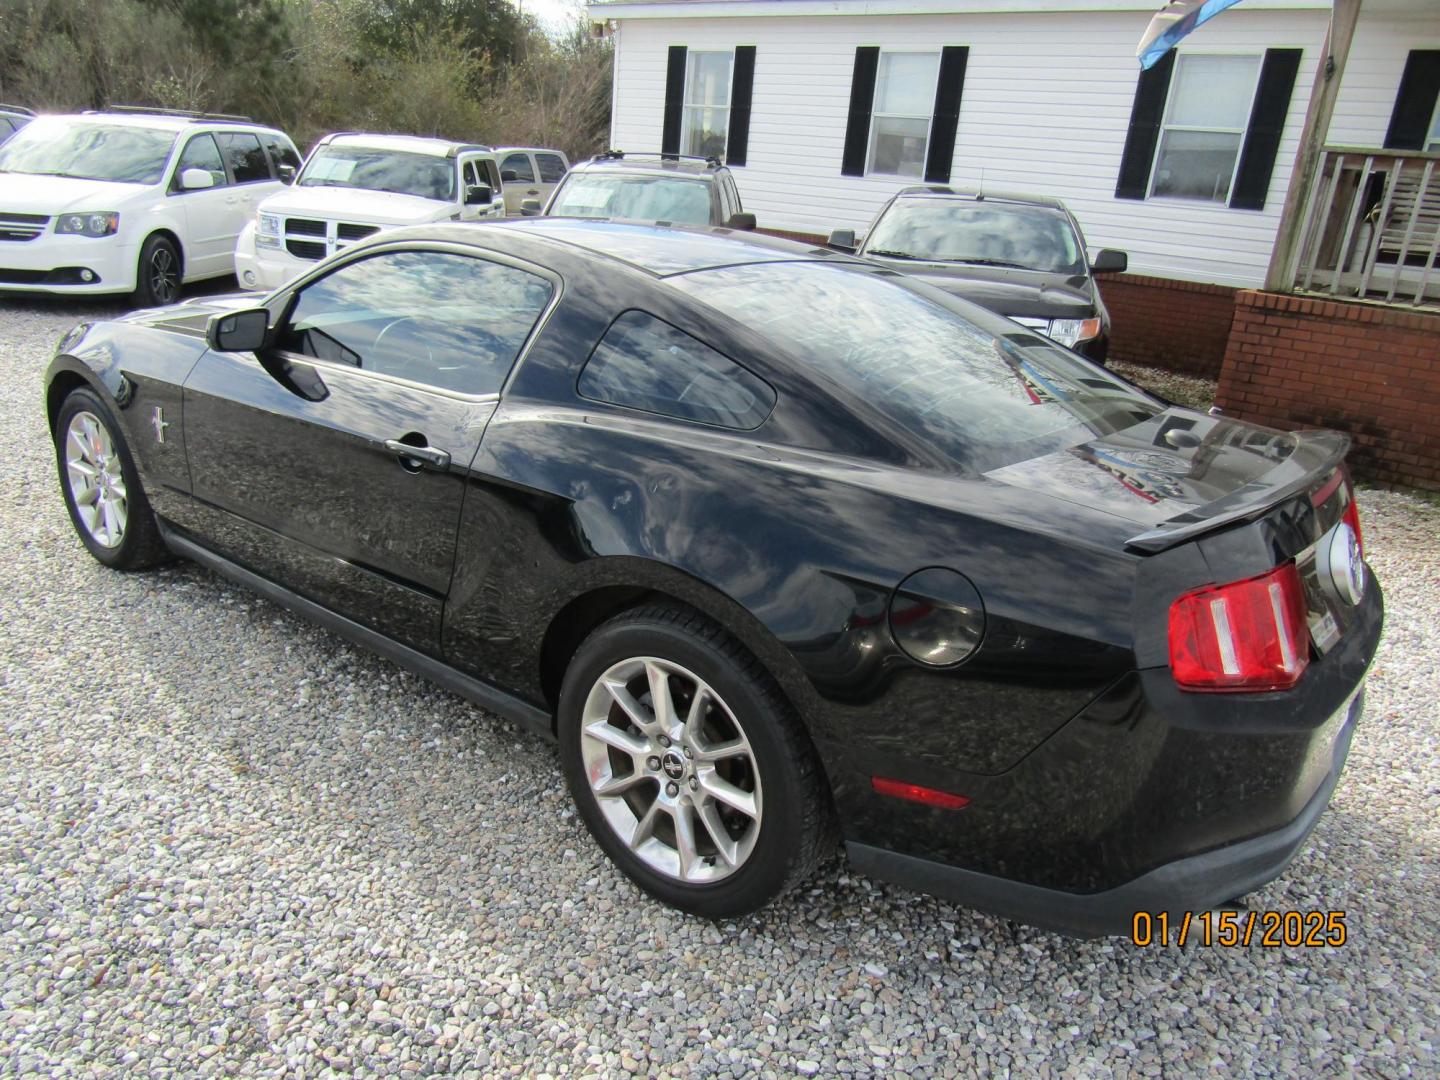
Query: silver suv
x=667 y=189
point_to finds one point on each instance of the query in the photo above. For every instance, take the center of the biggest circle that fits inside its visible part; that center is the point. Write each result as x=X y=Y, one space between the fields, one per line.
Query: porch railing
x=1371 y=227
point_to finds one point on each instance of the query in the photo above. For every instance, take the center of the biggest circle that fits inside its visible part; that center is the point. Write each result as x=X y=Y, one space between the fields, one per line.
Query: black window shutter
x=742 y=88
x=674 y=100
x=1145 y=116
x=1415 y=102
x=1262 y=135
x=862 y=100
x=947 y=113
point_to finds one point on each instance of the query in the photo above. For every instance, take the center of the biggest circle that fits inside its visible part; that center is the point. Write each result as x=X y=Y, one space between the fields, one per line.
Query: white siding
x=1383 y=39
x=1045 y=110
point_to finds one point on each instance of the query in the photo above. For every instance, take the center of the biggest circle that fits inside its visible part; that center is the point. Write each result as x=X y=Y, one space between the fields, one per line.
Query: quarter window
x=282 y=152
x=449 y=321
x=201 y=153
x=705 y=122
x=552 y=167
x=519 y=164
x=245 y=157
x=900 y=121
x=645 y=363
x=1204 y=126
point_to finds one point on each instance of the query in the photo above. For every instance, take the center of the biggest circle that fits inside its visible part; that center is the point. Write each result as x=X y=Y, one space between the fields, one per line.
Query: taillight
x=1351 y=517
x=1249 y=635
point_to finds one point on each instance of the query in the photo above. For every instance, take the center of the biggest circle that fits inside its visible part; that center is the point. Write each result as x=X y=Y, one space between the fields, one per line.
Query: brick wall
x=1371 y=371
x=1160 y=322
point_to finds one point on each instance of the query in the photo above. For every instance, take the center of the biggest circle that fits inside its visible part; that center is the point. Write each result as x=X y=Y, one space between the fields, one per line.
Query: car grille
x=329 y=235
x=21 y=227
x=348 y=231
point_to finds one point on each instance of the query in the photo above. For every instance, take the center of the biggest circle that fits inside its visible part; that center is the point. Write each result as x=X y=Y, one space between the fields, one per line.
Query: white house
x=825 y=108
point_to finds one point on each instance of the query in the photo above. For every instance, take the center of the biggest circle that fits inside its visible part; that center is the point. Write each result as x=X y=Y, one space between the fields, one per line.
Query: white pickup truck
x=353 y=185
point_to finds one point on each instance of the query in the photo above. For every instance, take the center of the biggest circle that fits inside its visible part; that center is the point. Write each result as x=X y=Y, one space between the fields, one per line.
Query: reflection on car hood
x=1174 y=463
x=23 y=193
x=192 y=315
x=354 y=204
x=1006 y=291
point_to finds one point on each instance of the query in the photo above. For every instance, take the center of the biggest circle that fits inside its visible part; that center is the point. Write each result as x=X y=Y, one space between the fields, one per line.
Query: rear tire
x=101 y=486
x=157 y=275
x=714 y=803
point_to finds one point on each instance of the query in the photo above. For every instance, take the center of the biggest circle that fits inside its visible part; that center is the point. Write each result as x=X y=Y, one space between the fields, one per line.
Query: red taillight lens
x=1351 y=517
x=899 y=789
x=1250 y=635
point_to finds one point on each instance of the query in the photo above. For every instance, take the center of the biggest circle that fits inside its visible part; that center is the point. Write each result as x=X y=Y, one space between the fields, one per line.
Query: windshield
x=424 y=175
x=986 y=395
x=88 y=150
x=983 y=233
x=634 y=198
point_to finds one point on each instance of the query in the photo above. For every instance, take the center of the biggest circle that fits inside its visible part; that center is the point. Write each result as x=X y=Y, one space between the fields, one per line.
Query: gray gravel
x=232 y=844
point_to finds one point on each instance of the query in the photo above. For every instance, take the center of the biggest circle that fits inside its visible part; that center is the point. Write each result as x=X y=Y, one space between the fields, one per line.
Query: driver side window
x=201 y=153
x=453 y=322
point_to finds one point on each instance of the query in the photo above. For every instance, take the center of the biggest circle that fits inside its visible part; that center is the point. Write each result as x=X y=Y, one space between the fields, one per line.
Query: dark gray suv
x=666 y=189
x=1018 y=255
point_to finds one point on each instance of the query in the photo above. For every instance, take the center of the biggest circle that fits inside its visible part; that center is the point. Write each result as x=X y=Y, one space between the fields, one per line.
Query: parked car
x=12 y=119
x=666 y=188
x=529 y=172
x=1018 y=255
x=770 y=539
x=354 y=185
x=132 y=200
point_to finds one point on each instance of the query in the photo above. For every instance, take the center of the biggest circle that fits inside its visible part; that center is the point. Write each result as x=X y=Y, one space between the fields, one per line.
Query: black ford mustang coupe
x=775 y=542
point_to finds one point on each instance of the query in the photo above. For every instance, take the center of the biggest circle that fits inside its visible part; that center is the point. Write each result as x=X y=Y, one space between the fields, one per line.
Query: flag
x=1178 y=18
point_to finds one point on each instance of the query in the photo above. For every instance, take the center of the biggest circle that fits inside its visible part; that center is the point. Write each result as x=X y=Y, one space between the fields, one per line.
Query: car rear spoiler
x=1315 y=457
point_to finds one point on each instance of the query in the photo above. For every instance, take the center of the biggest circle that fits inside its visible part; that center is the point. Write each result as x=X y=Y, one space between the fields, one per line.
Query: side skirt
x=457 y=682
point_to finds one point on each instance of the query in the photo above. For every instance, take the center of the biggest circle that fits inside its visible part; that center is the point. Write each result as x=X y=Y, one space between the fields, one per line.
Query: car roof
x=410 y=144
x=941 y=193
x=528 y=150
x=615 y=161
x=161 y=122
x=660 y=250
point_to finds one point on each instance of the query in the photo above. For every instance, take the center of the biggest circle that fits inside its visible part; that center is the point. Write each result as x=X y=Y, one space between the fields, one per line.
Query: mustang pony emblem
x=159 y=423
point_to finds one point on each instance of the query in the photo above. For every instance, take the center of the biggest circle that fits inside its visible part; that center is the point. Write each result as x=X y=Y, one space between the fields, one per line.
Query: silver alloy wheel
x=97 y=483
x=671 y=769
x=164 y=281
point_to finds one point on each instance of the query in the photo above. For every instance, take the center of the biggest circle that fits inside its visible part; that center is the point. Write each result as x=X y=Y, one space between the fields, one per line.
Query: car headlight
x=1070 y=332
x=267 y=224
x=106 y=223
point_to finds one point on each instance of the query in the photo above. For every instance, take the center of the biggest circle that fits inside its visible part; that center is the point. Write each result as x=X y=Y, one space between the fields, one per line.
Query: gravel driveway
x=232 y=844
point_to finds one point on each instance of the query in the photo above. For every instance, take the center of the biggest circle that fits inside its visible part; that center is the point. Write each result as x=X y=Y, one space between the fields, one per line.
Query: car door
x=334 y=461
x=477 y=171
x=526 y=184
x=250 y=176
x=210 y=213
x=551 y=169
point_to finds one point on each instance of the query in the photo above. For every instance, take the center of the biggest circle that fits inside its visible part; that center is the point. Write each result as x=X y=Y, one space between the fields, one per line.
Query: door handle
x=533 y=191
x=427 y=455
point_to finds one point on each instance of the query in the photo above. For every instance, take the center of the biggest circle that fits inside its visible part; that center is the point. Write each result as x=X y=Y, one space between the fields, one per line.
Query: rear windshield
x=978 y=234
x=425 y=175
x=985 y=391
x=634 y=198
x=89 y=150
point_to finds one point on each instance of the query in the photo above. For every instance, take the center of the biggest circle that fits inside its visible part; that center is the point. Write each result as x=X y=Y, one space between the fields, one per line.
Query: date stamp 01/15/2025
x=1228 y=928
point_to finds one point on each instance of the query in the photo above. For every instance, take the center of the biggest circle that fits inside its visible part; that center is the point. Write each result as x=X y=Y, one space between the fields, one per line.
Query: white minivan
x=132 y=201
x=353 y=185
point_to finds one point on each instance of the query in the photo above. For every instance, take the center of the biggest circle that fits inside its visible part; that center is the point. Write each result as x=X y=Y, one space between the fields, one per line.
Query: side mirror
x=530 y=208
x=196 y=180
x=238 y=331
x=286 y=173
x=507 y=176
x=1109 y=261
x=741 y=221
x=843 y=240
x=478 y=195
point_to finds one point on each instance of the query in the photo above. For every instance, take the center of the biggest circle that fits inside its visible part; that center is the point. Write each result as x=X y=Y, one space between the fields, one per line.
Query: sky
x=553 y=14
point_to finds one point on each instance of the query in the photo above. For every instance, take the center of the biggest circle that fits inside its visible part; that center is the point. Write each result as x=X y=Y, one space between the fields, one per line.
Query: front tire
x=101 y=485
x=157 y=276
x=688 y=765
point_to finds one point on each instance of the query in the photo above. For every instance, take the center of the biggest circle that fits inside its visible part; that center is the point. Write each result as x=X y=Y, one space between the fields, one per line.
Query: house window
x=900 y=120
x=1204 y=126
x=706 y=121
x=1432 y=141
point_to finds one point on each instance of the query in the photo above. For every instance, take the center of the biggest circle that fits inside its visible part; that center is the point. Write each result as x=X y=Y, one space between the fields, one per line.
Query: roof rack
x=456 y=148
x=17 y=109
x=928 y=189
x=183 y=114
x=620 y=155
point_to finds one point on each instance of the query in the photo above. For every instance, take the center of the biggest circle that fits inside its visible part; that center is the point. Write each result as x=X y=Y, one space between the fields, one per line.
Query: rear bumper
x=1195 y=883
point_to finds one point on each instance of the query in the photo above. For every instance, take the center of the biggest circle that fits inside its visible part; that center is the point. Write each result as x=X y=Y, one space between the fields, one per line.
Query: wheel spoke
x=78 y=438
x=82 y=469
x=611 y=735
x=720 y=751
x=685 y=840
x=695 y=718
x=86 y=496
x=710 y=818
x=719 y=788
x=660 y=700
x=645 y=827
x=632 y=708
x=618 y=785
x=112 y=522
